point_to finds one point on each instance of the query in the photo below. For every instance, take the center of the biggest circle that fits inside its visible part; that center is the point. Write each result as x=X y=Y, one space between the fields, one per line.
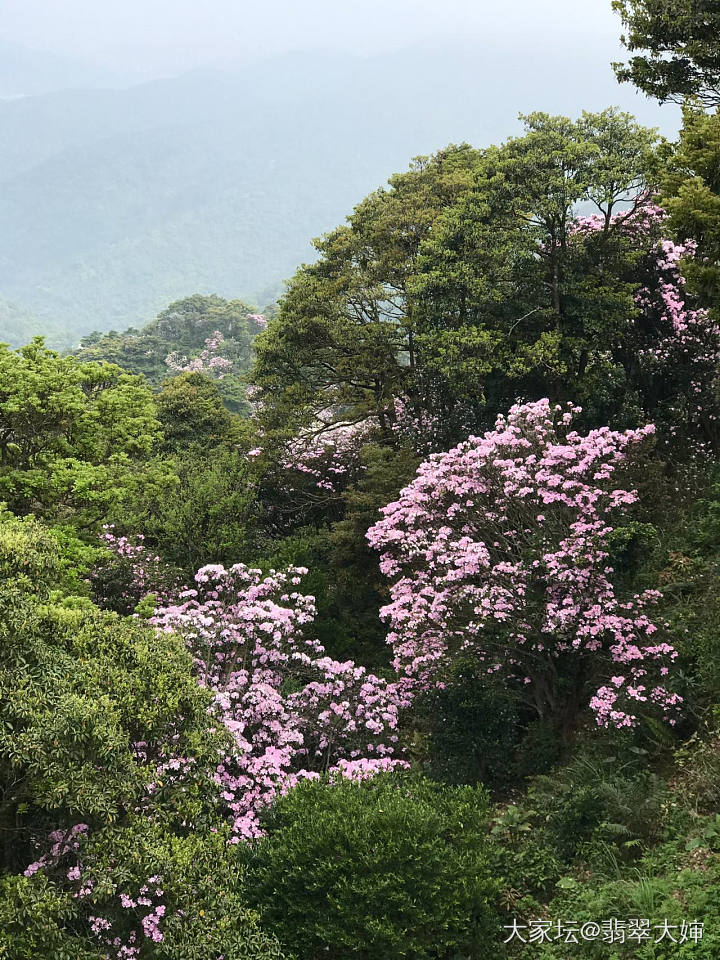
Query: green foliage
x=357 y=586
x=596 y=812
x=343 y=334
x=72 y=434
x=383 y=869
x=190 y=410
x=79 y=688
x=35 y=918
x=473 y=729
x=677 y=881
x=181 y=330
x=598 y=799
x=202 y=881
x=511 y=302
x=679 y=42
x=462 y=287
x=692 y=198
x=207 y=514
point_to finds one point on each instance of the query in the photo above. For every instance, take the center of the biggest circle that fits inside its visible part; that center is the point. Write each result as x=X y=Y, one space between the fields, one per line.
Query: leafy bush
x=382 y=869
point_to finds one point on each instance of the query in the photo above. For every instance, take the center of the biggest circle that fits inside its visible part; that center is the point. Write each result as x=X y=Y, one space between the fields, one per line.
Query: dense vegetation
x=386 y=625
x=204 y=335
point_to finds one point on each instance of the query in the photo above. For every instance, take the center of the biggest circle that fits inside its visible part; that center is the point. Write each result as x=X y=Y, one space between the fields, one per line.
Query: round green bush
x=385 y=868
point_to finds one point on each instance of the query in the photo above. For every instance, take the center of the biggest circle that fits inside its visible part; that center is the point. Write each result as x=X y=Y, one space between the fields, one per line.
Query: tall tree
x=692 y=198
x=344 y=337
x=514 y=298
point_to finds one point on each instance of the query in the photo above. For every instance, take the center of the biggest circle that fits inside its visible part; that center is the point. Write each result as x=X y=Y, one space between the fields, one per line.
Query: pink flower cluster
x=292 y=711
x=331 y=455
x=62 y=842
x=208 y=362
x=499 y=550
x=147 y=908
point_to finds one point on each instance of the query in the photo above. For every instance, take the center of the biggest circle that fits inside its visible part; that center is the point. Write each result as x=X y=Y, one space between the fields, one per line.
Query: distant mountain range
x=114 y=202
x=25 y=72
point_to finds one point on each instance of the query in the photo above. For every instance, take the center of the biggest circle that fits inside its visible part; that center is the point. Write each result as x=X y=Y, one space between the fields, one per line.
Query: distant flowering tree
x=329 y=456
x=499 y=549
x=208 y=362
x=681 y=362
x=259 y=320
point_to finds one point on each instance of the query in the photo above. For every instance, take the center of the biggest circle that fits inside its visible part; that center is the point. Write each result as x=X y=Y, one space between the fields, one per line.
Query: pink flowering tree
x=499 y=550
x=209 y=361
x=292 y=711
x=668 y=348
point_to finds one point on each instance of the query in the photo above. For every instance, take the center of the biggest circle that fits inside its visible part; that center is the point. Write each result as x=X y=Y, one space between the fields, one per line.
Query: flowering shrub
x=499 y=550
x=292 y=711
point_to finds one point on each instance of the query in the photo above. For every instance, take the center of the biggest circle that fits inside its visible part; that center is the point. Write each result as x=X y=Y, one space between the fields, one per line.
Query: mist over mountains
x=113 y=202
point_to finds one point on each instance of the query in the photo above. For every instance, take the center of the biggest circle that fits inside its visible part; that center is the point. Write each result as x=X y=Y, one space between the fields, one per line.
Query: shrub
x=384 y=868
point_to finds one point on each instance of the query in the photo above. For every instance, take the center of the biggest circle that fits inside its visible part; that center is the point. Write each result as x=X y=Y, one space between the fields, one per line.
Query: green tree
x=679 y=42
x=72 y=435
x=190 y=410
x=208 y=515
x=511 y=300
x=487 y=294
x=343 y=336
x=692 y=198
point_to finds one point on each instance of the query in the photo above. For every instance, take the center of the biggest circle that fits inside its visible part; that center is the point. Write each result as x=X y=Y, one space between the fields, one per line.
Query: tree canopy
x=679 y=44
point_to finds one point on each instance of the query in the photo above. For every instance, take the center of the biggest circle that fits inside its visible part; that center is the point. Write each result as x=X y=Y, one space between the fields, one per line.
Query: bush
x=597 y=801
x=381 y=869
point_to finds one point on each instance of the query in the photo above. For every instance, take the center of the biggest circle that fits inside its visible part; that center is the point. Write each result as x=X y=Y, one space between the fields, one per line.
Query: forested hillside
x=384 y=624
x=203 y=335
x=116 y=202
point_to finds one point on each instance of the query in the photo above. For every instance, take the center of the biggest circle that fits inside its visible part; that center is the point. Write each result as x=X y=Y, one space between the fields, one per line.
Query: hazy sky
x=157 y=37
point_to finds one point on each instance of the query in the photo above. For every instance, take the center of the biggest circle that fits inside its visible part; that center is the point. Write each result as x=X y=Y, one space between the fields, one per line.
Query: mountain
x=18 y=325
x=115 y=202
x=25 y=72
